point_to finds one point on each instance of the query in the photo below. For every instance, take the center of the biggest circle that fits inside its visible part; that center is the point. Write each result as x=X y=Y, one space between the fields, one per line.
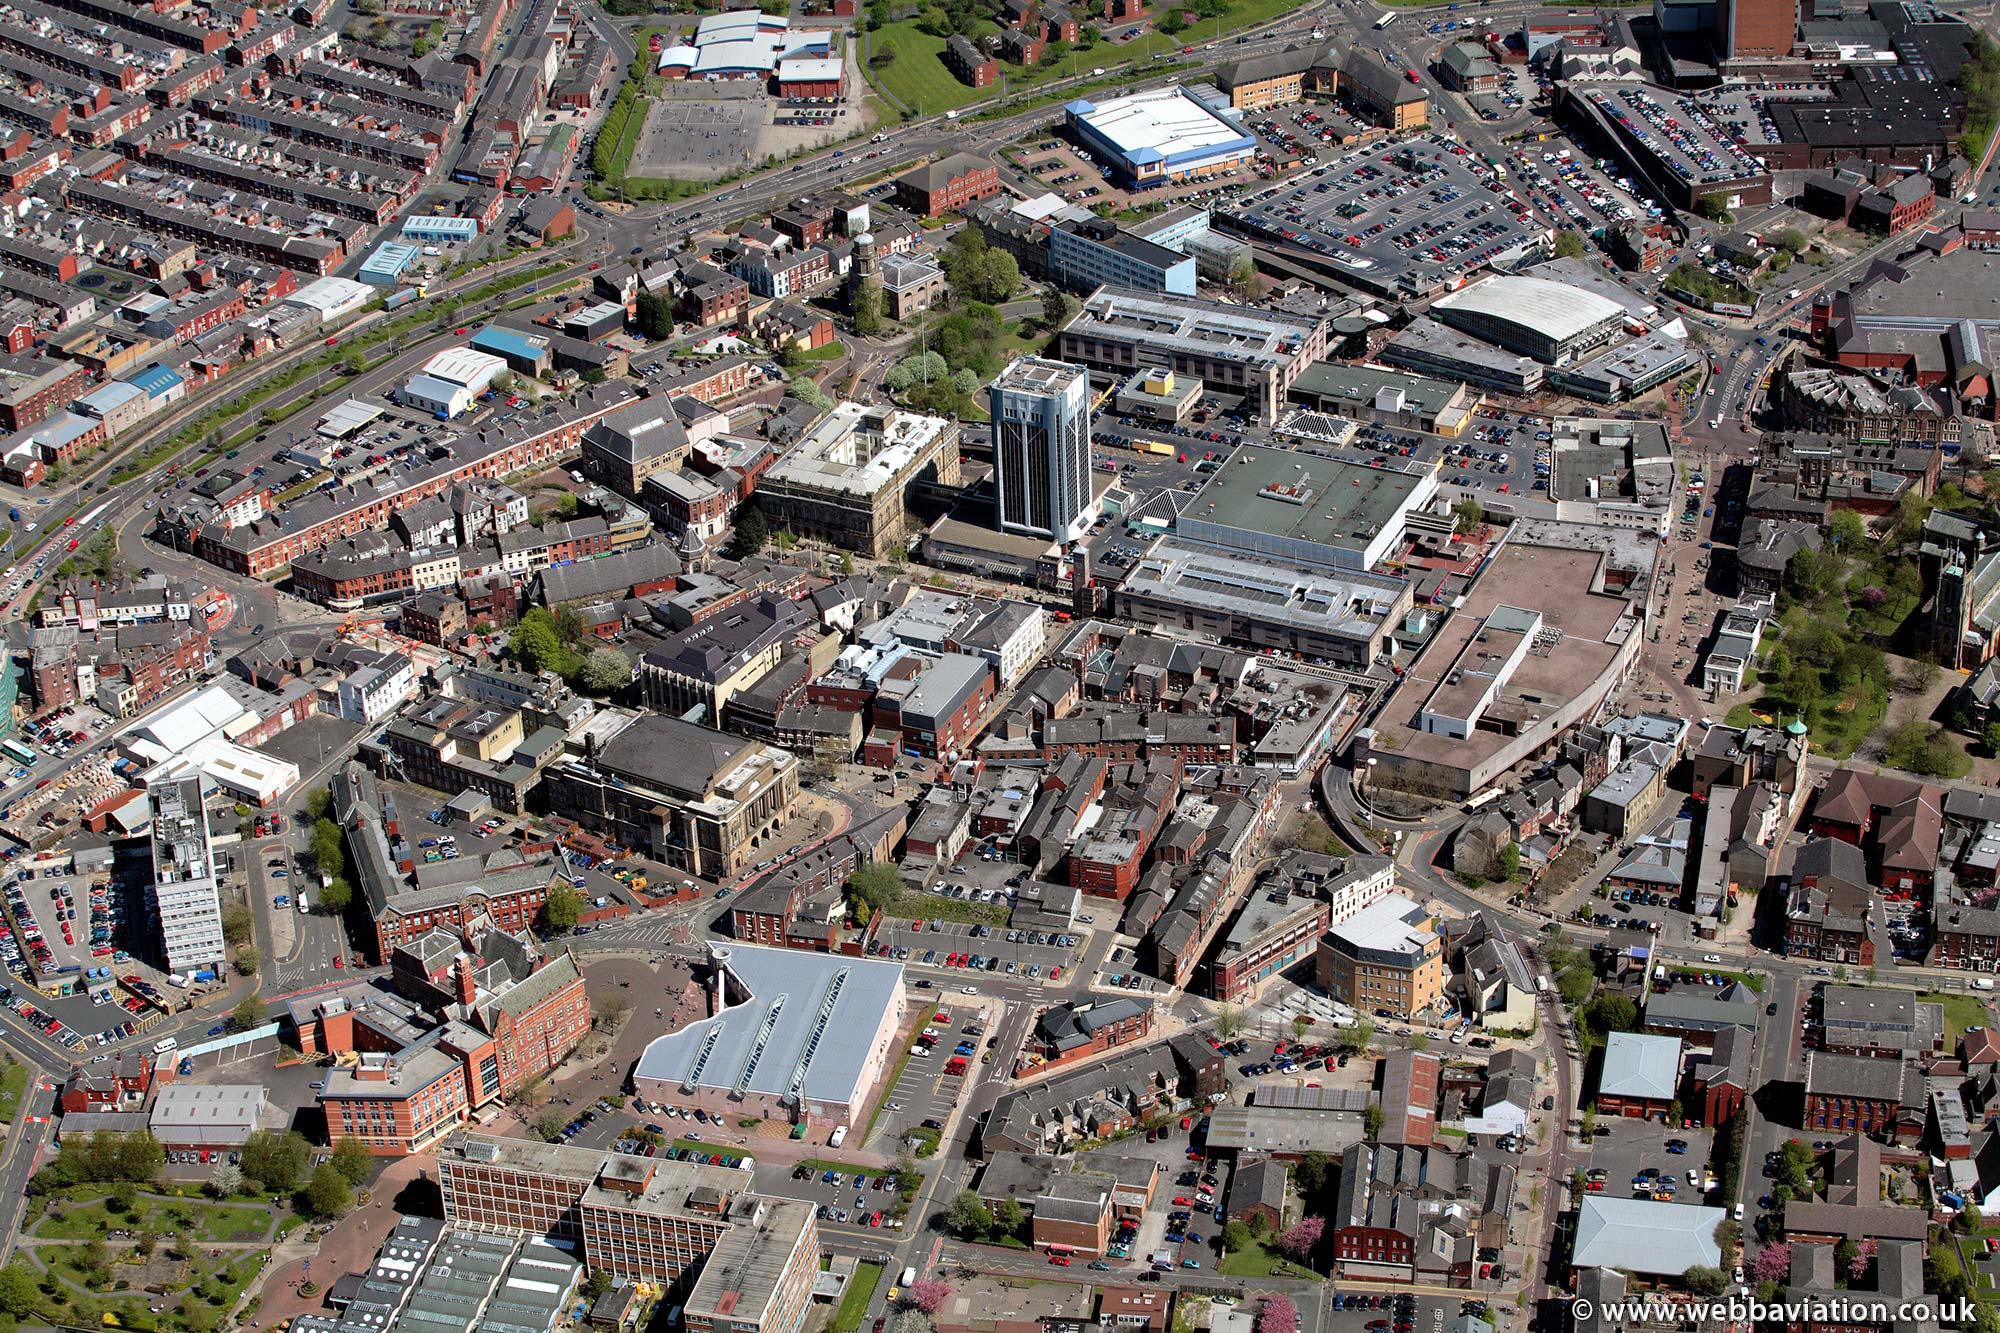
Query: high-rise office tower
x=1041 y=447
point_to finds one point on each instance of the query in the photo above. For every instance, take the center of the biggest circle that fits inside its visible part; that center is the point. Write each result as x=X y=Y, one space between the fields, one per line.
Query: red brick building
x=512 y=1014
x=1862 y=1094
x=947 y=184
x=1070 y=1033
x=969 y=63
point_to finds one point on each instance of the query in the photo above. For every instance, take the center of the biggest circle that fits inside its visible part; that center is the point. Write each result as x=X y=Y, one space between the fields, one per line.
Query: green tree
x=1789 y=239
x=536 y=643
x=1055 y=306
x=352 y=1159
x=1569 y=245
x=276 y=1161
x=1467 y=514
x=1803 y=687
x=561 y=910
x=874 y=887
x=1715 y=208
x=319 y=803
x=248 y=959
x=1509 y=859
x=654 y=315
x=1009 y=1219
x=1610 y=1012
x=1236 y=1237
x=329 y=847
x=326 y=1194
x=1371 y=1121
x=1849 y=530
x=248 y=1013
x=1356 y=1036
x=1242 y=277
x=604 y=670
x=966 y=1217
x=549 y=1124
x=1314 y=1174
x=752 y=530
x=19 y=1293
x=237 y=923
x=1992 y=738
x=335 y=896
x=1702 y=1280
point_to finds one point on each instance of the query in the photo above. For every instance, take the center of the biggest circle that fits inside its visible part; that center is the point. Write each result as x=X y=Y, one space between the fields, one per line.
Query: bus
x=18 y=752
x=1385 y=20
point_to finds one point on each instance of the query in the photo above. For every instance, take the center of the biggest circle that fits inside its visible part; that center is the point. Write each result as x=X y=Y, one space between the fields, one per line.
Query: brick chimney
x=468 y=987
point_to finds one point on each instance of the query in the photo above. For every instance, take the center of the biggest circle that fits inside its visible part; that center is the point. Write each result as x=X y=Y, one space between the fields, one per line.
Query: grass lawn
x=833 y=351
x=13 y=1082
x=1755 y=983
x=916 y=906
x=87 y=1217
x=854 y=1301
x=1257 y=1261
x=1838 y=724
x=1960 y=1012
x=918 y=77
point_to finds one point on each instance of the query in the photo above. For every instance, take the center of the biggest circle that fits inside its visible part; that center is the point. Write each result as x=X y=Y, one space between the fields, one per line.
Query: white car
x=1711 y=958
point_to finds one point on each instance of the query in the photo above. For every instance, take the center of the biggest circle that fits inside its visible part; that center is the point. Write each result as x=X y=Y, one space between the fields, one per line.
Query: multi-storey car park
x=1401 y=221
x=1674 y=145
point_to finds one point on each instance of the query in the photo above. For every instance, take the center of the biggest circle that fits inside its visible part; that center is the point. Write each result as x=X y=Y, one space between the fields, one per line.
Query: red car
x=1060 y=1260
x=1181 y=1201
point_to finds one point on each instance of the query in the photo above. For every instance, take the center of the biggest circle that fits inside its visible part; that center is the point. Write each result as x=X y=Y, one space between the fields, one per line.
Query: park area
x=1844 y=641
x=904 y=60
x=108 y=1242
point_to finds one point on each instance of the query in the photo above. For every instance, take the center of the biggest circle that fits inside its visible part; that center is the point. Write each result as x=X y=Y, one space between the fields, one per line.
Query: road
x=26 y=1138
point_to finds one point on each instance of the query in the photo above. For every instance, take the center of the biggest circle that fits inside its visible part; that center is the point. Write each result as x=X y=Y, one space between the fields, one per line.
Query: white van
x=1982 y=983
x=165 y=1044
x=304 y=906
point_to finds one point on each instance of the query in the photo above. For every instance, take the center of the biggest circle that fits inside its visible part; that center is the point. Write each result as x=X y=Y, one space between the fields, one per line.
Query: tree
x=276 y=1161
x=549 y=1124
x=752 y=530
x=248 y=1013
x=874 y=887
x=1701 y=1280
x=1728 y=1232
x=1355 y=1037
x=326 y=1195
x=1228 y=1021
x=807 y=391
x=1588 y=1119
x=911 y=1321
x=1467 y=515
x=319 y=803
x=613 y=1008
x=1009 y=1219
x=927 y=1294
x=1278 y=1315
x=791 y=356
x=1509 y=859
x=225 y=1180
x=1055 y=306
x=1302 y=1239
x=1371 y=1121
x=1610 y=1012
x=1849 y=530
x=966 y=1217
x=1789 y=239
x=536 y=642
x=148 y=1241
x=561 y=909
x=1242 y=276
x=1714 y=208
x=1300 y=1026
x=596 y=1285
x=237 y=923
x=335 y=896
x=604 y=670
x=1772 y=1264
x=19 y=1295
x=654 y=316
x=1803 y=687
x=1569 y=245
x=329 y=847
x=248 y=959
x=1315 y=1172
x=1236 y=1236
x=352 y=1159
